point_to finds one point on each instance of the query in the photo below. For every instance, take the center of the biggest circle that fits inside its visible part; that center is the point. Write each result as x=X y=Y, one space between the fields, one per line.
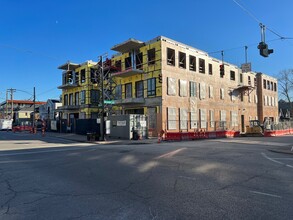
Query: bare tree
x=286 y=84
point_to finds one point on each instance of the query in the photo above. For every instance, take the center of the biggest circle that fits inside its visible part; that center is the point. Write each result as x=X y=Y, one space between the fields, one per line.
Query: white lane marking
x=45 y=151
x=283 y=158
x=271 y=159
x=170 y=154
x=263 y=154
x=266 y=194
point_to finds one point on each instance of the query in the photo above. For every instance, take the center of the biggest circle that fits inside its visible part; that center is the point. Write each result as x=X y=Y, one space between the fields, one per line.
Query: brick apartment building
x=178 y=87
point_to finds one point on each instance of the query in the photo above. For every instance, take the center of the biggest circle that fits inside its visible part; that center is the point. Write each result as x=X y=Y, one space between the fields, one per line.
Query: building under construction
x=179 y=88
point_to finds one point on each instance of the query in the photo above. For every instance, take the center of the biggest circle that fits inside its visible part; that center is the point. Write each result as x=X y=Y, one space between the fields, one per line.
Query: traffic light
x=222 y=70
x=160 y=78
x=263 y=49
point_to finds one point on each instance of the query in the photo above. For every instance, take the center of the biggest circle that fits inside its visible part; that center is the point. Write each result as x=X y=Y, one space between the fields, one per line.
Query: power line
x=259 y=22
x=241 y=47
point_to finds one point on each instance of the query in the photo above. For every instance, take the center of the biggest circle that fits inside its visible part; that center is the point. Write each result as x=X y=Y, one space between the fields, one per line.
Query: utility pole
x=11 y=98
x=34 y=92
x=6 y=115
x=102 y=99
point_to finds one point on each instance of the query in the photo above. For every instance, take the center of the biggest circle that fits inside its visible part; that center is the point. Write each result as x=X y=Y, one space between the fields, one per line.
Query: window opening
x=232 y=75
x=192 y=63
x=152 y=56
x=170 y=57
x=128 y=90
x=182 y=60
x=201 y=65
x=139 y=89
x=128 y=63
x=138 y=58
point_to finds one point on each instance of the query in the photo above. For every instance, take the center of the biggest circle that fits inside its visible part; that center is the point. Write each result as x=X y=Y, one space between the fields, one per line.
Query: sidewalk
x=83 y=138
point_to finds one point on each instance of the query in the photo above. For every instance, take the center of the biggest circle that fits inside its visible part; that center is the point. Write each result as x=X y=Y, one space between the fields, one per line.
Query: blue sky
x=38 y=36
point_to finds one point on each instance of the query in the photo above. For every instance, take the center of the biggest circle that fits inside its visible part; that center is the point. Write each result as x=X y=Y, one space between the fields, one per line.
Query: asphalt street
x=54 y=178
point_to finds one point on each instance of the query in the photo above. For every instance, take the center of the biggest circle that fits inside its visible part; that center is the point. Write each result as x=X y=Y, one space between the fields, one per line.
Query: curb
x=281 y=151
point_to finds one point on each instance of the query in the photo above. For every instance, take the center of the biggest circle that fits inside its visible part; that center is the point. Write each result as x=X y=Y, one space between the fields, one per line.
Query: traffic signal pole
x=102 y=99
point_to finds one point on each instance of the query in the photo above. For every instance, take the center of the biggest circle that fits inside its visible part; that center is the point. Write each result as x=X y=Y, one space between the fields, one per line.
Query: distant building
x=6 y=108
x=49 y=110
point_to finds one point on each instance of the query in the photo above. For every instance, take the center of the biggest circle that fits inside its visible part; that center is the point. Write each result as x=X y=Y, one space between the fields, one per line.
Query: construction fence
x=192 y=125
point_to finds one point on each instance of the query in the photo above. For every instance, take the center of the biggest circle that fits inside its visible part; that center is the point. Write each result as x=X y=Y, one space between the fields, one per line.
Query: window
x=255 y=99
x=192 y=89
x=128 y=63
x=264 y=84
x=94 y=76
x=223 y=118
x=118 y=92
x=95 y=97
x=118 y=65
x=69 y=77
x=65 y=100
x=138 y=58
x=182 y=60
x=192 y=63
x=211 y=92
x=268 y=85
x=234 y=118
x=210 y=69
x=232 y=75
x=241 y=97
x=171 y=84
x=82 y=75
x=241 y=78
x=82 y=97
x=152 y=56
x=255 y=82
x=275 y=87
x=76 y=98
x=128 y=90
x=183 y=118
x=234 y=95
x=151 y=90
x=202 y=90
x=193 y=118
x=201 y=65
x=212 y=118
x=249 y=81
x=171 y=115
x=70 y=99
x=272 y=86
x=76 y=77
x=222 y=93
x=203 y=118
x=139 y=89
x=182 y=88
x=170 y=57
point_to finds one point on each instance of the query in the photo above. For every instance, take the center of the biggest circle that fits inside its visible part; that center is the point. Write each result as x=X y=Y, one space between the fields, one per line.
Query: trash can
x=90 y=136
x=97 y=136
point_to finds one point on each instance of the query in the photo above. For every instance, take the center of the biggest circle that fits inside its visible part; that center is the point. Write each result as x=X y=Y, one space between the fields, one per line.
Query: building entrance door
x=242 y=124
